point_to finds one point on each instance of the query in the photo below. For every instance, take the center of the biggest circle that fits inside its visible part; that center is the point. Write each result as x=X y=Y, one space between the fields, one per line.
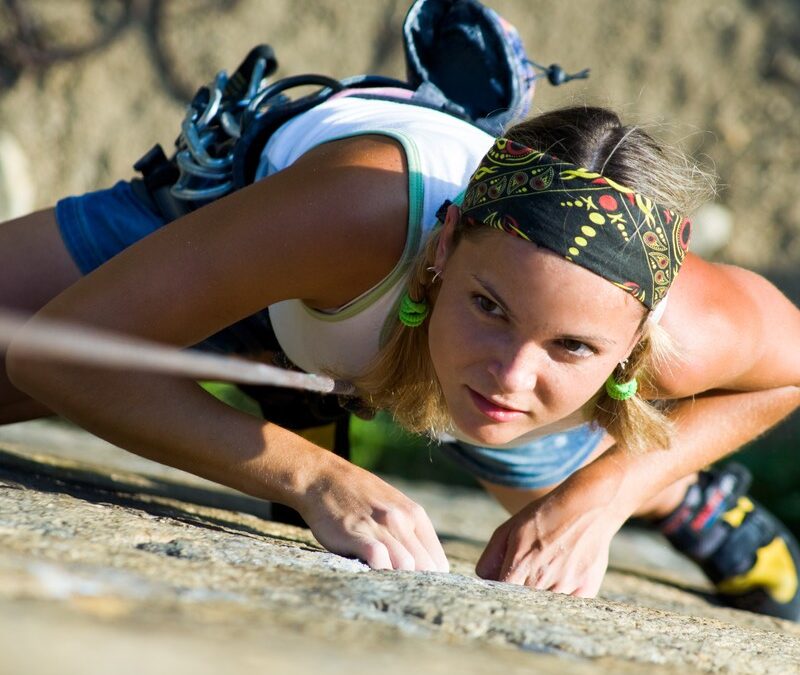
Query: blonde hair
x=401 y=378
x=637 y=423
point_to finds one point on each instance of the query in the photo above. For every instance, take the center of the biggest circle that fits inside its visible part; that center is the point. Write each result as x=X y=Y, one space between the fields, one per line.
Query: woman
x=503 y=344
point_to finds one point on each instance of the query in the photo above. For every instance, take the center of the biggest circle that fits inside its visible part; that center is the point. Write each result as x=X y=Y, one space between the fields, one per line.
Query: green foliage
x=380 y=445
x=233 y=396
x=776 y=476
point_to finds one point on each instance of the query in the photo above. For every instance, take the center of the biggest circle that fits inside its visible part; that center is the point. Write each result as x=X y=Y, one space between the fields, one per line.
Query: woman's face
x=519 y=337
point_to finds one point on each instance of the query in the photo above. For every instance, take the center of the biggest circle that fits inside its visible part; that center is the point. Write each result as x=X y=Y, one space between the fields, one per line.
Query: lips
x=493 y=411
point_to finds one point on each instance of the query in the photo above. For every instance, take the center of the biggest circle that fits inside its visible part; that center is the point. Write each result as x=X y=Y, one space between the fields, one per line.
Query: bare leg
x=658 y=506
x=515 y=499
x=35 y=266
x=665 y=502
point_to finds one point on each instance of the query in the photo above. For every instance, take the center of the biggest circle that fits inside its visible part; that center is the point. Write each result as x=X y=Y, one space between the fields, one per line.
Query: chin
x=497 y=434
x=485 y=432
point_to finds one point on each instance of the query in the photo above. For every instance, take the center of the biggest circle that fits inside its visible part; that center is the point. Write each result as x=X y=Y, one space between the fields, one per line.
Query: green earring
x=621 y=391
x=412 y=313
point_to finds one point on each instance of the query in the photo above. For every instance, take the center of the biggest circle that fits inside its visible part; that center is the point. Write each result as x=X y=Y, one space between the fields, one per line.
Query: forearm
x=176 y=422
x=708 y=428
x=349 y=510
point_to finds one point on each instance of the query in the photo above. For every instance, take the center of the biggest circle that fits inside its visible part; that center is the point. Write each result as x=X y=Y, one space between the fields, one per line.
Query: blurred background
x=87 y=86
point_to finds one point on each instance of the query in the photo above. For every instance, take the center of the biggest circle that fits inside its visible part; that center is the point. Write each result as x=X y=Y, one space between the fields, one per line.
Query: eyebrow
x=597 y=339
x=589 y=339
x=495 y=296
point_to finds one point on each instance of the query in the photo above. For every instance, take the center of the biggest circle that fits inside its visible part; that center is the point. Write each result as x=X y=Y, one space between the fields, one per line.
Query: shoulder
x=340 y=216
x=732 y=329
x=324 y=230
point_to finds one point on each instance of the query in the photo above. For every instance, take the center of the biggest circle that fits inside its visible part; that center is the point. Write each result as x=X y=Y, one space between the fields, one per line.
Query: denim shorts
x=543 y=462
x=98 y=225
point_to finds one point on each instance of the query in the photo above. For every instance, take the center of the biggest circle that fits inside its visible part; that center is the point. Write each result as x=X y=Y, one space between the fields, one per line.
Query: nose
x=517 y=371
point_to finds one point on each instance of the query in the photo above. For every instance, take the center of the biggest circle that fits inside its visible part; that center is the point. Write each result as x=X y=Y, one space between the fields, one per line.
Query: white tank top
x=441 y=153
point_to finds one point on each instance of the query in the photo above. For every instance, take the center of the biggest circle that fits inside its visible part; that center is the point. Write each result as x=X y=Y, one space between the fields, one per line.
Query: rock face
x=16 y=185
x=105 y=567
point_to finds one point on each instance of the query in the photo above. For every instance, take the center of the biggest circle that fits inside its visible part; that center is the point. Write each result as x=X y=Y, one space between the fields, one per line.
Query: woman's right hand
x=352 y=512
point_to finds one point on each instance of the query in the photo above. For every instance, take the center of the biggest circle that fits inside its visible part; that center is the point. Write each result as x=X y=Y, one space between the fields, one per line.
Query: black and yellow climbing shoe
x=749 y=555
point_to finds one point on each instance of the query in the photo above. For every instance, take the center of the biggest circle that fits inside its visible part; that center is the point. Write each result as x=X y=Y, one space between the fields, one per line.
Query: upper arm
x=732 y=329
x=325 y=229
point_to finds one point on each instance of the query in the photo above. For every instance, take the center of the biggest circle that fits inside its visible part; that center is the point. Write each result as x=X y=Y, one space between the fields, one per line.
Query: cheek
x=568 y=387
x=450 y=333
x=441 y=334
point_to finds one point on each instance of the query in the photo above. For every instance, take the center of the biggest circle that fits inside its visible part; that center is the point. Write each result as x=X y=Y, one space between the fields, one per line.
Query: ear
x=634 y=343
x=445 y=245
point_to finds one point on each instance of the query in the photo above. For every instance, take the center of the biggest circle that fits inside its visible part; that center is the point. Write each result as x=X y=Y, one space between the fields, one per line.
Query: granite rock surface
x=109 y=563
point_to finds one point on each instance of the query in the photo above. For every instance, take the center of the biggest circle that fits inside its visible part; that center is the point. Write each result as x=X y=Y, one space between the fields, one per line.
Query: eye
x=487 y=305
x=576 y=348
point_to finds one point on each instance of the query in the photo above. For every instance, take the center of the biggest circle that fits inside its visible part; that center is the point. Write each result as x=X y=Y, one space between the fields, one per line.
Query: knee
x=24 y=370
x=515 y=499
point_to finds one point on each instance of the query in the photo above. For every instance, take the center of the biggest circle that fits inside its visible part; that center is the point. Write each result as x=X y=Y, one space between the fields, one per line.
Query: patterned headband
x=586 y=217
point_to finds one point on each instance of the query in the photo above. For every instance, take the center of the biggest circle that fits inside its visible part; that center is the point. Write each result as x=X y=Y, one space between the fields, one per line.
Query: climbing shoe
x=749 y=555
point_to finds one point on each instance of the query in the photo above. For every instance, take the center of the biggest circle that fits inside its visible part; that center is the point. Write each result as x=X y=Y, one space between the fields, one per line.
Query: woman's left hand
x=558 y=543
